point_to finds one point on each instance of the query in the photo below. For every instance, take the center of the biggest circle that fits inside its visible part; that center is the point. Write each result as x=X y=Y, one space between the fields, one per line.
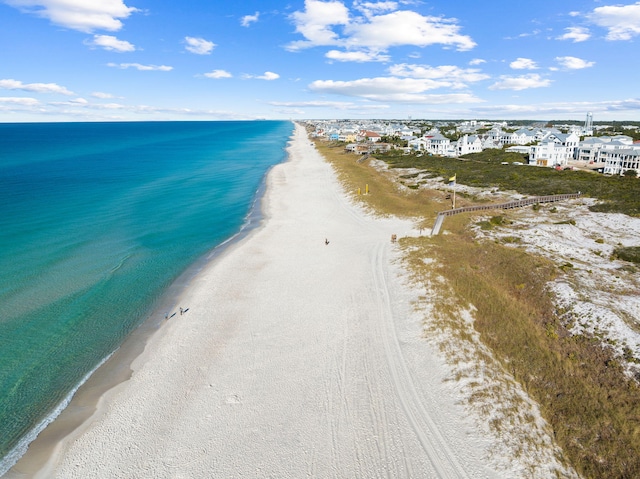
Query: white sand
x=294 y=359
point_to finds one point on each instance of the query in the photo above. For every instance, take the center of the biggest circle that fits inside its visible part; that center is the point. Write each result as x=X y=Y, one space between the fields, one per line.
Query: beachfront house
x=555 y=149
x=468 y=144
x=619 y=160
x=589 y=149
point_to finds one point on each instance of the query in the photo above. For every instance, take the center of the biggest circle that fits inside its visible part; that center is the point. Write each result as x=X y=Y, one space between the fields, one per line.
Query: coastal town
x=605 y=148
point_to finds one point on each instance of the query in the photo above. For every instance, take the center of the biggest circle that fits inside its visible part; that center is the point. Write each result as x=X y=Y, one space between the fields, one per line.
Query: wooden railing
x=503 y=206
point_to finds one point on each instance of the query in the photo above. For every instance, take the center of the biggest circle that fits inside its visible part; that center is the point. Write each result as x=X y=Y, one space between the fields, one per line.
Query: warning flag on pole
x=452 y=180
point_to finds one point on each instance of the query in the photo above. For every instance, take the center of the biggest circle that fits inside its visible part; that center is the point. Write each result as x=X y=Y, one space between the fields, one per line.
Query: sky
x=139 y=60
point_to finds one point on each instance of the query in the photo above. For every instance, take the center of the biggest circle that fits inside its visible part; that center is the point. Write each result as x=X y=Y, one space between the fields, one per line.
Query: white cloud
x=339 y=105
x=573 y=63
x=102 y=95
x=24 y=101
x=450 y=75
x=390 y=89
x=85 y=16
x=370 y=7
x=372 y=31
x=111 y=43
x=77 y=102
x=406 y=28
x=358 y=56
x=577 y=34
x=199 y=46
x=523 y=64
x=622 y=21
x=563 y=108
x=10 y=84
x=218 y=74
x=315 y=21
x=249 y=19
x=138 y=66
x=267 y=76
x=524 y=82
x=477 y=61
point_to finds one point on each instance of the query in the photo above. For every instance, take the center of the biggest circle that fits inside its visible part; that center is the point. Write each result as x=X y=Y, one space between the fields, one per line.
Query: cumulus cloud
x=84 y=16
x=523 y=64
x=10 y=84
x=477 y=61
x=267 y=76
x=406 y=28
x=138 y=66
x=12 y=100
x=371 y=7
x=448 y=75
x=372 y=27
x=216 y=74
x=391 y=89
x=577 y=34
x=622 y=21
x=574 y=63
x=111 y=43
x=249 y=19
x=102 y=95
x=524 y=82
x=199 y=46
x=357 y=56
x=315 y=22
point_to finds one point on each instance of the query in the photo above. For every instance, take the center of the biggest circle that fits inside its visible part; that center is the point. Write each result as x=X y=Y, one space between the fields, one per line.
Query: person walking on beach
x=181 y=310
x=326 y=241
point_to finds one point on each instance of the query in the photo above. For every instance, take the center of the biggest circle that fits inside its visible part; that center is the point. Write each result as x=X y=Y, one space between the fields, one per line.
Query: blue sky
x=96 y=60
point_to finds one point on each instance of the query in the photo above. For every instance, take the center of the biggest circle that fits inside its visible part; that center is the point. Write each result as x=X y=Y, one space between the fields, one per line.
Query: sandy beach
x=292 y=358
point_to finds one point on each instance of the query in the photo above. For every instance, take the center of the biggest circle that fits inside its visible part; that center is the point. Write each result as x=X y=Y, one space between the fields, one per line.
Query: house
x=589 y=149
x=619 y=160
x=548 y=153
x=468 y=144
x=368 y=135
x=555 y=149
x=436 y=143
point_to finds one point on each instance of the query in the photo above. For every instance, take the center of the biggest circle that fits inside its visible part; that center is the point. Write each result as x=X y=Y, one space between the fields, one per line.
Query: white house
x=468 y=144
x=589 y=149
x=432 y=142
x=619 y=160
x=555 y=149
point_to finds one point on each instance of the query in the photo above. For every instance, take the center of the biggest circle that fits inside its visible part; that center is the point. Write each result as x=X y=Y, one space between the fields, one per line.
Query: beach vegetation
x=629 y=253
x=616 y=194
x=590 y=404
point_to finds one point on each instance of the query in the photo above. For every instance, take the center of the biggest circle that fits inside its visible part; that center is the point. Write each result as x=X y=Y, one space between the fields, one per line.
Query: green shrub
x=630 y=253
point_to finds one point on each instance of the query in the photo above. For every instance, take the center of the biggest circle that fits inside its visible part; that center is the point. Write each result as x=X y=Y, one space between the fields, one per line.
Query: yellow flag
x=452 y=179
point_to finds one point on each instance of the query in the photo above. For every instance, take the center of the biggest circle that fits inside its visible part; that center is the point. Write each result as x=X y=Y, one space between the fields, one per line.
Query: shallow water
x=96 y=221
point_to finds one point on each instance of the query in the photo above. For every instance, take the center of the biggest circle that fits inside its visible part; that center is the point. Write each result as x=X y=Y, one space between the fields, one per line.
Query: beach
x=296 y=352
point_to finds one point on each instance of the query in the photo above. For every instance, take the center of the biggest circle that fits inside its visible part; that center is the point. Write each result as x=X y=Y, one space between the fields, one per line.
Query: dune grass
x=584 y=395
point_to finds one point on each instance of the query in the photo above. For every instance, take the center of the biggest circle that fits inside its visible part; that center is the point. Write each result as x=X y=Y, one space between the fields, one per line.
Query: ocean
x=97 y=221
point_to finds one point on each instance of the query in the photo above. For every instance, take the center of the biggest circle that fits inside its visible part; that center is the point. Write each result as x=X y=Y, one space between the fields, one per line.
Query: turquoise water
x=96 y=221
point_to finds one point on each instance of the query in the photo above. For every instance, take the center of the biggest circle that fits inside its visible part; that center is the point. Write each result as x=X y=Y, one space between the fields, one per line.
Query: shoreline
x=295 y=358
x=83 y=402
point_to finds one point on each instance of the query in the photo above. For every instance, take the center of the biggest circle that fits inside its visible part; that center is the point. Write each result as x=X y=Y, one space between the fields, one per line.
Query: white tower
x=588 y=125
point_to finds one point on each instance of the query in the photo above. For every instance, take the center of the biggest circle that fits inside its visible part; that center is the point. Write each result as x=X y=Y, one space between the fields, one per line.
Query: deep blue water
x=96 y=221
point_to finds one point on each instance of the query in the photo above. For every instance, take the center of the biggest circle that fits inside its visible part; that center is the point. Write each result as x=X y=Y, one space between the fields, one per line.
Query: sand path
x=294 y=359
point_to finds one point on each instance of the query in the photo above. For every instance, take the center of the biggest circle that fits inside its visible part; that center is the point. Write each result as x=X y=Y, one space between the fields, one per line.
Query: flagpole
x=452 y=182
x=454 y=196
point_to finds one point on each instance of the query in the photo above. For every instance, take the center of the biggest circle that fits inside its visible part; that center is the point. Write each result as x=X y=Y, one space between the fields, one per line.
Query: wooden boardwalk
x=503 y=206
